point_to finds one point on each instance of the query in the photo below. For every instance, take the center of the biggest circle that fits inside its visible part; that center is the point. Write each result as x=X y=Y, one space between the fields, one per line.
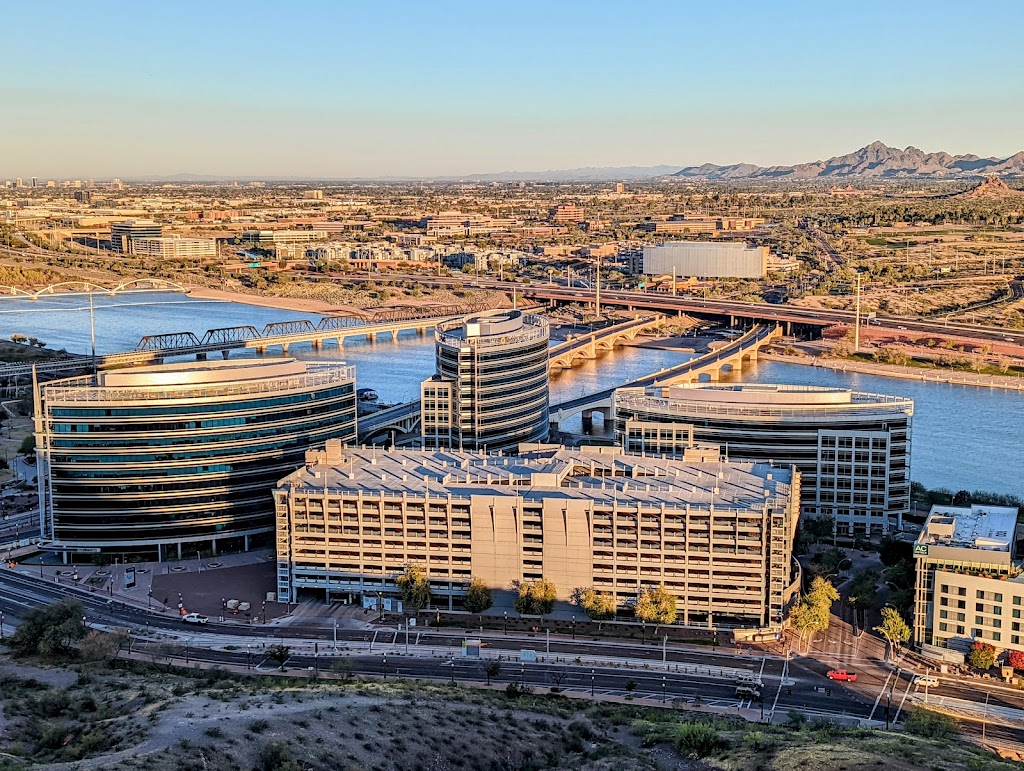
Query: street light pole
x=574 y=627
x=591 y=683
x=335 y=635
x=984 y=720
x=385 y=667
x=506 y=622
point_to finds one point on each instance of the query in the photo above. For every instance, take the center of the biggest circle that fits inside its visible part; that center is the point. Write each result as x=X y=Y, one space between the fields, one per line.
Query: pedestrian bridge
x=713 y=365
x=565 y=355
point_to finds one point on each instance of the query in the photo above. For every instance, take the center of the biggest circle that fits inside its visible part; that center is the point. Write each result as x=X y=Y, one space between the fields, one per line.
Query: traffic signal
x=828 y=691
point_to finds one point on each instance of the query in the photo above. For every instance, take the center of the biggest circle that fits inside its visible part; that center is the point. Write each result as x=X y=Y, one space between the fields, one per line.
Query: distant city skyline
x=327 y=90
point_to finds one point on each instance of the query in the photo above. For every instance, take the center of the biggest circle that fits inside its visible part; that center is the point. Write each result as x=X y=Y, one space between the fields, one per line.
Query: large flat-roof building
x=718 y=536
x=852 y=448
x=174 y=248
x=707 y=259
x=173 y=458
x=490 y=390
x=970 y=586
x=123 y=233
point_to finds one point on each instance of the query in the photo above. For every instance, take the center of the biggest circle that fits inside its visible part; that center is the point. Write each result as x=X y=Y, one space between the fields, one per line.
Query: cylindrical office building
x=171 y=459
x=852 y=448
x=491 y=383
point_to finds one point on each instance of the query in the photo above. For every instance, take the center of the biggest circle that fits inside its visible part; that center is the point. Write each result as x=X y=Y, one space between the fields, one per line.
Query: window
x=942 y=627
x=996 y=636
x=1016 y=600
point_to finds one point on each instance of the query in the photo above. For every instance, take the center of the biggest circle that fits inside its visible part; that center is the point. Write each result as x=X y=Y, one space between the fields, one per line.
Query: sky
x=387 y=88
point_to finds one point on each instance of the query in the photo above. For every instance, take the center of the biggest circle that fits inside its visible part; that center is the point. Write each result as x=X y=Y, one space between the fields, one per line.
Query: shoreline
x=295 y=304
x=950 y=377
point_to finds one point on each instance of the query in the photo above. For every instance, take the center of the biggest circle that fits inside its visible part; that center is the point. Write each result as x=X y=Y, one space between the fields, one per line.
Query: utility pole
x=597 y=303
x=856 y=328
x=92 y=332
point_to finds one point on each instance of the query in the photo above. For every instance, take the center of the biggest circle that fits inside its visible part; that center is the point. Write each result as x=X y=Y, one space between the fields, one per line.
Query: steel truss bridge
x=155 y=348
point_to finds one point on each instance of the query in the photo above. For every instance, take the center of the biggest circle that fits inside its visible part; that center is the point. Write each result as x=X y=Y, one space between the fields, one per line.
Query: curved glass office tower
x=491 y=387
x=852 y=448
x=178 y=456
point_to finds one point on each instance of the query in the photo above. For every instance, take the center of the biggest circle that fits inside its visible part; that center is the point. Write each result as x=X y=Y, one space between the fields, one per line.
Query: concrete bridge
x=590 y=346
x=404 y=418
x=730 y=357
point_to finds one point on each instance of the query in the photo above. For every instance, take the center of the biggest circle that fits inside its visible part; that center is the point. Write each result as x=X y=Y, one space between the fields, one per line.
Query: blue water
x=963 y=438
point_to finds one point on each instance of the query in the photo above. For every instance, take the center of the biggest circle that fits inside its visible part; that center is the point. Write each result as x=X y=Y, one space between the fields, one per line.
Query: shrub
x=214 y=732
x=698 y=739
x=259 y=726
x=931 y=725
x=275 y=756
x=982 y=655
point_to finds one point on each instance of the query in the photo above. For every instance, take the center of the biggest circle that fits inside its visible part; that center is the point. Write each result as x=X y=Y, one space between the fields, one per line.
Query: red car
x=842 y=674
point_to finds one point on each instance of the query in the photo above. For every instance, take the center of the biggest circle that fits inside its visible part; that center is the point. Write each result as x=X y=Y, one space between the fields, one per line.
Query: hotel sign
x=920 y=550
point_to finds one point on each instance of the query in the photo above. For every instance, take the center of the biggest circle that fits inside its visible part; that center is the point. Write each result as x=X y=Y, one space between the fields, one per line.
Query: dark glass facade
x=162 y=464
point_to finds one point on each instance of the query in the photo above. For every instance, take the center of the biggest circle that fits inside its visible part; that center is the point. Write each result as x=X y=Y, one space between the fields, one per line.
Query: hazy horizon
x=455 y=89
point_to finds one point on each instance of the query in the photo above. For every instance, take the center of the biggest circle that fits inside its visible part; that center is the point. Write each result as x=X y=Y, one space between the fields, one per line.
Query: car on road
x=842 y=675
x=926 y=681
x=195 y=618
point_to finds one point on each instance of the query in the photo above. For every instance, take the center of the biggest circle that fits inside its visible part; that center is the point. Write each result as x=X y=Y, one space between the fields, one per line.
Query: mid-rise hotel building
x=165 y=460
x=491 y=387
x=718 y=536
x=970 y=584
x=852 y=448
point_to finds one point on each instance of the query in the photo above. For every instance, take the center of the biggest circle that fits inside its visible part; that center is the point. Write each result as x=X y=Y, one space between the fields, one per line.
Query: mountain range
x=877 y=160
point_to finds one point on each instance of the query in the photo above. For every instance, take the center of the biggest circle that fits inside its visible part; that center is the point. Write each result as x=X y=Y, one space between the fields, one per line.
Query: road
x=781 y=313
x=686 y=672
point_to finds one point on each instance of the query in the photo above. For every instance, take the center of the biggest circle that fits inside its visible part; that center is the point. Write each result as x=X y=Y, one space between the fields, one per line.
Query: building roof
x=988 y=528
x=761 y=399
x=605 y=475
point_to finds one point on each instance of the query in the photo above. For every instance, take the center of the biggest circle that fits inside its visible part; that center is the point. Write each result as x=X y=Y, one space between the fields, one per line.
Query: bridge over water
x=156 y=348
x=732 y=356
x=404 y=418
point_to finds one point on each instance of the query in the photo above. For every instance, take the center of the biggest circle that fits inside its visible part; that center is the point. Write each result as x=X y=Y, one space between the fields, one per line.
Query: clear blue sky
x=347 y=88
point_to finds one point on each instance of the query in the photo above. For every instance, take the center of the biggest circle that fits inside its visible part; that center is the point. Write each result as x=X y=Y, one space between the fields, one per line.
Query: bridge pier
x=284 y=348
x=225 y=353
x=201 y=356
x=317 y=343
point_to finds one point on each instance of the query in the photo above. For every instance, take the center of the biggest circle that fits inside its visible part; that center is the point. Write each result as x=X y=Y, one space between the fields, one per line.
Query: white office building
x=706 y=259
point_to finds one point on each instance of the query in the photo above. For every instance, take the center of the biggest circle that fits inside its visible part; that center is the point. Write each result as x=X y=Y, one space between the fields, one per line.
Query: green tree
x=280 y=654
x=414 y=587
x=656 y=605
x=892 y=550
x=814 y=611
x=863 y=594
x=599 y=606
x=982 y=655
x=492 y=669
x=534 y=598
x=51 y=631
x=28 y=445
x=478 y=596
x=893 y=629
